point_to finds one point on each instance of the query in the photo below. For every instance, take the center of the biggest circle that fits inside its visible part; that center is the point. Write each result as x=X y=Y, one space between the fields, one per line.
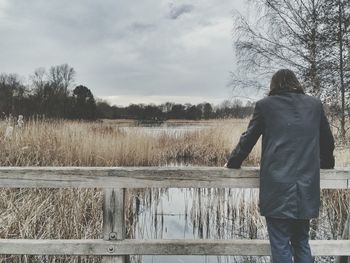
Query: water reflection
x=173 y=131
x=211 y=213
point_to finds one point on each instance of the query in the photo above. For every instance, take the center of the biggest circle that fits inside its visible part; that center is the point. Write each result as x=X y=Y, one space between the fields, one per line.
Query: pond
x=176 y=129
x=210 y=213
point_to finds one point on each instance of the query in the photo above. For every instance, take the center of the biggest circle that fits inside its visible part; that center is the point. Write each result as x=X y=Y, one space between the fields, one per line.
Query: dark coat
x=296 y=143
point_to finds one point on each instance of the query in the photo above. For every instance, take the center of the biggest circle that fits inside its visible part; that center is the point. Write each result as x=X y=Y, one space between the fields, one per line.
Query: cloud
x=3 y=6
x=177 y=11
x=124 y=48
x=142 y=27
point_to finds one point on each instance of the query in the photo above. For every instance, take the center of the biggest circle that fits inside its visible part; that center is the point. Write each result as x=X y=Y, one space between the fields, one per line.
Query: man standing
x=296 y=142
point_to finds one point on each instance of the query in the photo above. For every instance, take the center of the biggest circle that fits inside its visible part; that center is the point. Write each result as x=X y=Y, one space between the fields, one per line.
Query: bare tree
x=287 y=35
x=307 y=36
x=62 y=77
x=337 y=40
x=52 y=90
x=38 y=78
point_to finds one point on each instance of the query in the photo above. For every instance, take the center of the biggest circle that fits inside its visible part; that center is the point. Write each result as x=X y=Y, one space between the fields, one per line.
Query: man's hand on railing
x=231 y=167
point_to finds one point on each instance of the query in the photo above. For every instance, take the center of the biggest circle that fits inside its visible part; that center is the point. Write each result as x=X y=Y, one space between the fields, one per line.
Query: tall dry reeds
x=72 y=143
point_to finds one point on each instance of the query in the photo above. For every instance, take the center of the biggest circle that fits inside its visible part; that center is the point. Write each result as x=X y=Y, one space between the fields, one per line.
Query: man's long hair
x=284 y=80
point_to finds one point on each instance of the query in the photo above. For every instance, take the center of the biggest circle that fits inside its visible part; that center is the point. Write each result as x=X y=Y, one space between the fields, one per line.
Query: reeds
x=71 y=143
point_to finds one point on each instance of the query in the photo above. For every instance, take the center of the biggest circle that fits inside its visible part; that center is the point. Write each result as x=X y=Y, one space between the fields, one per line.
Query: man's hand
x=232 y=167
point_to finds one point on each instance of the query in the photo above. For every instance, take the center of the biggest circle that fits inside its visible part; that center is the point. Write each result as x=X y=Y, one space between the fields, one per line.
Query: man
x=296 y=142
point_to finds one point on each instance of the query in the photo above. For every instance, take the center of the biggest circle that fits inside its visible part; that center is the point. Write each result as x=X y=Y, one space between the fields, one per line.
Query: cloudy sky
x=126 y=51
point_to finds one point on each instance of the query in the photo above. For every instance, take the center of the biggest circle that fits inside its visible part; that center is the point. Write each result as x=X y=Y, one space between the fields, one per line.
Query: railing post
x=113 y=220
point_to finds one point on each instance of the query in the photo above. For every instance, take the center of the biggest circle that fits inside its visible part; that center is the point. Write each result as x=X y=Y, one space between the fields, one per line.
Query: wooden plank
x=113 y=221
x=142 y=177
x=334 y=184
x=160 y=247
x=113 y=214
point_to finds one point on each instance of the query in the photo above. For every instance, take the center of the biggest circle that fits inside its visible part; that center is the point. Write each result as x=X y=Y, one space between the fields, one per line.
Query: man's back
x=296 y=141
x=290 y=158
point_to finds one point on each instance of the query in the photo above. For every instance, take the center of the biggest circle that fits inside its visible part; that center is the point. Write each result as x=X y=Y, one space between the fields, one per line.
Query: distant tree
x=166 y=107
x=207 y=111
x=193 y=112
x=62 y=77
x=223 y=110
x=152 y=112
x=40 y=91
x=51 y=90
x=177 y=112
x=118 y=112
x=134 y=111
x=38 y=78
x=104 y=110
x=13 y=93
x=84 y=103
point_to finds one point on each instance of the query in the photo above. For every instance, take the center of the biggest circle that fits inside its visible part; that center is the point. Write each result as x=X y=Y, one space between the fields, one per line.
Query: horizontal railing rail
x=143 y=177
x=202 y=247
x=114 y=181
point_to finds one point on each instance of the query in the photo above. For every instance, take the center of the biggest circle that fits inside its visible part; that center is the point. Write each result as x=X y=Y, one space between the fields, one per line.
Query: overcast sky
x=126 y=51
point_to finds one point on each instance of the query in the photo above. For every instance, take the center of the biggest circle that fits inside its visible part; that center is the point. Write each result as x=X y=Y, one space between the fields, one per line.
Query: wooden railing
x=114 y=180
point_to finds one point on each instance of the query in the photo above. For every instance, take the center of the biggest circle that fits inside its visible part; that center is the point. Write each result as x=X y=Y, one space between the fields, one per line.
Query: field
x=66 y=143
x=49 y=213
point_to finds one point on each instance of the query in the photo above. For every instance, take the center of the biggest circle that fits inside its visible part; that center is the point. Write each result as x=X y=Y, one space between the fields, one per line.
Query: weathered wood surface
x=141 y=177
x=113 y=220
x=160 y=247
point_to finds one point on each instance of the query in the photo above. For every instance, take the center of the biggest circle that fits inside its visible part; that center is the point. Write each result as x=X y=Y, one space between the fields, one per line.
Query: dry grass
x=50 y=213
x=68 y=143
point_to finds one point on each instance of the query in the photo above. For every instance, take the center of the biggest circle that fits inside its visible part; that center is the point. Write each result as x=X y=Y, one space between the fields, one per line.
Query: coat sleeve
x=247 y=140
x=326 y=143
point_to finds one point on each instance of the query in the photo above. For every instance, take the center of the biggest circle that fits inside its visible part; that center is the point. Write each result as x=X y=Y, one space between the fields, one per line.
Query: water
x=192 y=214
x=205 y=214
x=175 y=130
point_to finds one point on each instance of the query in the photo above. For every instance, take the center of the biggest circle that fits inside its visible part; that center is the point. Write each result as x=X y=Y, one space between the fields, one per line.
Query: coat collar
x=284 y=91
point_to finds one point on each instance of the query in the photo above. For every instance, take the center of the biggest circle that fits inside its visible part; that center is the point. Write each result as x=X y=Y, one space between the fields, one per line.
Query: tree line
x=52 y=93
x=170 y=110
x=311 y=37
x=48 y=94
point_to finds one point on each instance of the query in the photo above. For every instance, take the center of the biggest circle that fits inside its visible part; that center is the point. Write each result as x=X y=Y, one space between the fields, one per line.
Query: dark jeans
x=289 y=238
